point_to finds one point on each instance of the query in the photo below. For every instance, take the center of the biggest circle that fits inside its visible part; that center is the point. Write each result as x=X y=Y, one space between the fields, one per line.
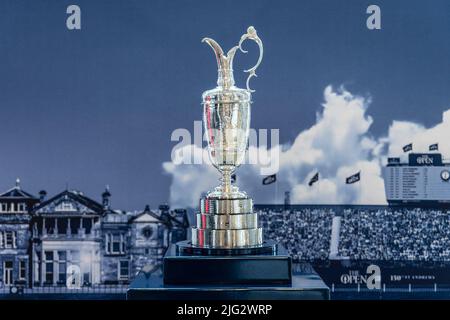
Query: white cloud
x=338 y=145
x=190 y=180
x=404 y=132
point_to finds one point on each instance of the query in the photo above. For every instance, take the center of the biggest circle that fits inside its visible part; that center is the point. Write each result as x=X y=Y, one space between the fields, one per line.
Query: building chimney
x=42 y=195
x=164 y=209
x=105 y=197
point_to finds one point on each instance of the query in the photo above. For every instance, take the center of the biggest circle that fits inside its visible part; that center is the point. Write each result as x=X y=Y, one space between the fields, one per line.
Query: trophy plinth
x=226 y=223
x=226 y=257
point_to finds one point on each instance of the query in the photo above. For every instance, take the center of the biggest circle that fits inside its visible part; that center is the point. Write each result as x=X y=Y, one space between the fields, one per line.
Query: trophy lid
x=225 y=79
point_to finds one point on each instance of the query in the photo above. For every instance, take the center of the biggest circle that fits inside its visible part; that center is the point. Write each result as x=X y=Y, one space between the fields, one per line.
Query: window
x=86 y=277
x=115 y=243
x=124 y=269
x=7 y=272
x=62 y=267
x=22 y=270
x=4 y=207
x=1 y=239
x=49 y=272
x=49 y=267
x=10 y=239
x=49 y=255
x=62 y=272
x=62 y=255
x=21 y=207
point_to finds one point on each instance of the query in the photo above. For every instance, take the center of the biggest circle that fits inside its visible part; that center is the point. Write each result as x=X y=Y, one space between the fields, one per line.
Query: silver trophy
x=226 y=218
x=227 y=259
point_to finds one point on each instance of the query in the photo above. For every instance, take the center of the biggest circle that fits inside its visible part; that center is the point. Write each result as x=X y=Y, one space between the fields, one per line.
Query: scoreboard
x=423 y=178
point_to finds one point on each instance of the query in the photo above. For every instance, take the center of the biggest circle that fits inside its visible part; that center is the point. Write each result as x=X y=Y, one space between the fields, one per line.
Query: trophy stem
x=226 y=181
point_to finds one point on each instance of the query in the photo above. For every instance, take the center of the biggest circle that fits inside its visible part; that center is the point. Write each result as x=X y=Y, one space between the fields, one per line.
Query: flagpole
x=276 y=191
x=318 y=187
x=360 y=188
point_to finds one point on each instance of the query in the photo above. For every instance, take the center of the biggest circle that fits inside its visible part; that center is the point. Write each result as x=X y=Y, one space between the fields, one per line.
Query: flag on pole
x=408 y=147
x=434 y=147
x=233 y=178
x=314 y=179
x=269 y=179
x=353 y=178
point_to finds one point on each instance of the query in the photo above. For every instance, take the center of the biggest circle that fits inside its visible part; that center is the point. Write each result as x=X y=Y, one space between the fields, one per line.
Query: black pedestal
x=303 y=287
x=262 y=273
x=267 y=264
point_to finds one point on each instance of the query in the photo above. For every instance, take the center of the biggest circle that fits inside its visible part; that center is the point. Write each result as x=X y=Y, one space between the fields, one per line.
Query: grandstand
x=410 y=245
x=360 y=232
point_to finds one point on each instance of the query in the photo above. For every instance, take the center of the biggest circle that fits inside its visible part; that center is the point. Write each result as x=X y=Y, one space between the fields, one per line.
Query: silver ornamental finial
x=225 y=62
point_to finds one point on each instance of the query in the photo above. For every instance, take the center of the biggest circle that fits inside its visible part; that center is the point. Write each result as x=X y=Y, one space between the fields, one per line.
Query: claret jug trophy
x=226 y=218
x=226 y=256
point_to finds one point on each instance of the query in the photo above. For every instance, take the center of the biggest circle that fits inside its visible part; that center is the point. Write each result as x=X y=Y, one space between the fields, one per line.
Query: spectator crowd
x=304 y=233
x=389 y=233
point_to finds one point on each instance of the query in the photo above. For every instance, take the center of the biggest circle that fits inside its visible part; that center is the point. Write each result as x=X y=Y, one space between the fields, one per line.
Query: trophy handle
x=251 y=34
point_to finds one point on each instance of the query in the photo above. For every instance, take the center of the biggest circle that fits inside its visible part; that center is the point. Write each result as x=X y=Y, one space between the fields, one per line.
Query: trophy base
x=186 y=248
x=267 y=264
x=261 y=273
x=191 y=273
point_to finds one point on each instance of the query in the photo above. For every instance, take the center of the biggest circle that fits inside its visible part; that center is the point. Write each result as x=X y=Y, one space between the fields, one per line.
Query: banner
x=314 y=179
x=353 y=178
x=434 y=147
x=269 y=179
x=408 y=147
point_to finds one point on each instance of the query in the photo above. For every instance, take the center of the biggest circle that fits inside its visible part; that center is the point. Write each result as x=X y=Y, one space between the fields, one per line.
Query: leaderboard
x=423 y=178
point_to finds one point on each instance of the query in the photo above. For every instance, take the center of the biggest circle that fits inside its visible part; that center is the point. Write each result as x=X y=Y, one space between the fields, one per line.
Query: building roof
x=74 y=196
x=181 y=222
x=172 y=219
x=155 y=216
x=17 y=193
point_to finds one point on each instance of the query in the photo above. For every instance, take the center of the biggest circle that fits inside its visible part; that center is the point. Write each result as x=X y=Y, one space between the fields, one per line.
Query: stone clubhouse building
x=43 y=241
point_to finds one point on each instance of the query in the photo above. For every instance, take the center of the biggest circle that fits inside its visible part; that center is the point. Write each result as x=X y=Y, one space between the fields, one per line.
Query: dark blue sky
x=97 y=106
